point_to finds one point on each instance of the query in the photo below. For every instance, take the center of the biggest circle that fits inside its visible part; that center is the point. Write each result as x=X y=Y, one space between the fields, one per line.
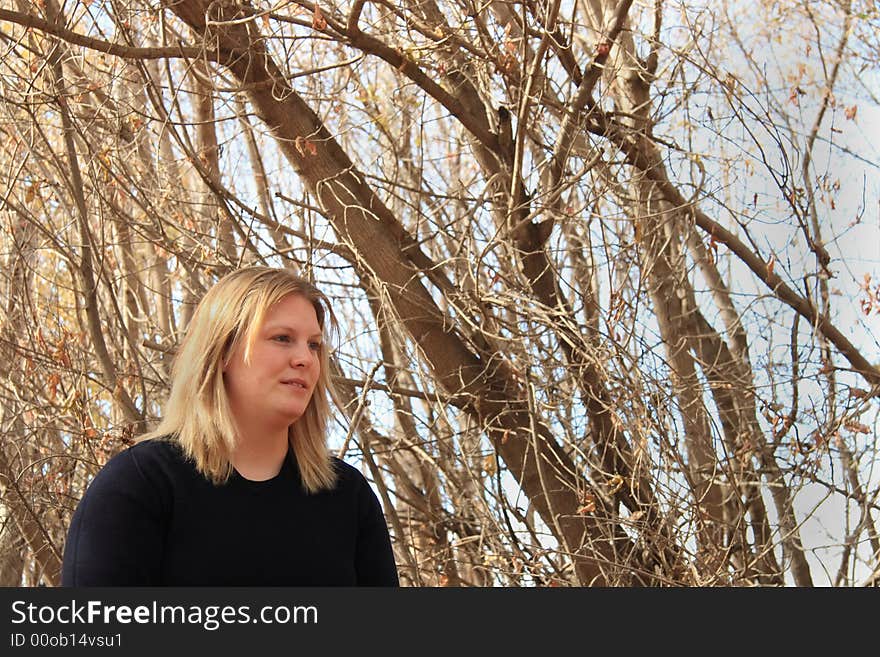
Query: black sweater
x=150 y=518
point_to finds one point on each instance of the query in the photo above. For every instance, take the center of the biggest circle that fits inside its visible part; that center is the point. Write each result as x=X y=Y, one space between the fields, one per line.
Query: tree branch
x=126 y=52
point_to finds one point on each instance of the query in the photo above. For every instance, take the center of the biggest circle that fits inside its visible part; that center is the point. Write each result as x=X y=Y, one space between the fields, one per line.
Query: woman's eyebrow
x=280 y=327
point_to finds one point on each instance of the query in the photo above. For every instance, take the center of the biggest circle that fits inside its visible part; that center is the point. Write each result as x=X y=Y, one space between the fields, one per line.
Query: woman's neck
x=259 y=459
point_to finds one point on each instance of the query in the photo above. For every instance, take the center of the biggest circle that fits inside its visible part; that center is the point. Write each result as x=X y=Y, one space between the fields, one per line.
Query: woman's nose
x=301 y=356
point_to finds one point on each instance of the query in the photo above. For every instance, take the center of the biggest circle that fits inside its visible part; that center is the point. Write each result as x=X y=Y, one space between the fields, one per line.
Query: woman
x=236 y=485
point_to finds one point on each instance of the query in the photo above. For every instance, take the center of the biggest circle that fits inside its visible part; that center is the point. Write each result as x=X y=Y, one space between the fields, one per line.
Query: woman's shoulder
x=162 y=452
x=354 y=486
x=153 y=459
x=143 y=473
x=351 y=480
x=348 y=476
x=346 y=471
x=164 y=448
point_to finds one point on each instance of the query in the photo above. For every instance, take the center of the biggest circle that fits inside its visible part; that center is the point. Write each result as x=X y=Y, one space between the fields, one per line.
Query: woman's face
x=275 y=388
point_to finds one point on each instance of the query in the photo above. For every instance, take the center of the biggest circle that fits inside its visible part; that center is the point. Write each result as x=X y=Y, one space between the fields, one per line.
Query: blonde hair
x=197 y=414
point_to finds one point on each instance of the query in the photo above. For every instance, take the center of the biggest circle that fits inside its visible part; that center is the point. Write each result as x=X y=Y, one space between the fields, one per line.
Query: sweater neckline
x=289 y=470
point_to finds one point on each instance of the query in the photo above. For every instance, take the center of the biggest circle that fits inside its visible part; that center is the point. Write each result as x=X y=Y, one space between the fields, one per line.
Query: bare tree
x=606 y=316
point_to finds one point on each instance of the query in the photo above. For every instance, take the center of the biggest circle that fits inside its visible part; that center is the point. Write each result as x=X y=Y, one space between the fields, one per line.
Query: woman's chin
x=295 y=415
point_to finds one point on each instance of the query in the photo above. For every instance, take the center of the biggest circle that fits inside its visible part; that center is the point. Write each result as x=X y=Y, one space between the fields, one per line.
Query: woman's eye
x=285 y=338
x=315 y=346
